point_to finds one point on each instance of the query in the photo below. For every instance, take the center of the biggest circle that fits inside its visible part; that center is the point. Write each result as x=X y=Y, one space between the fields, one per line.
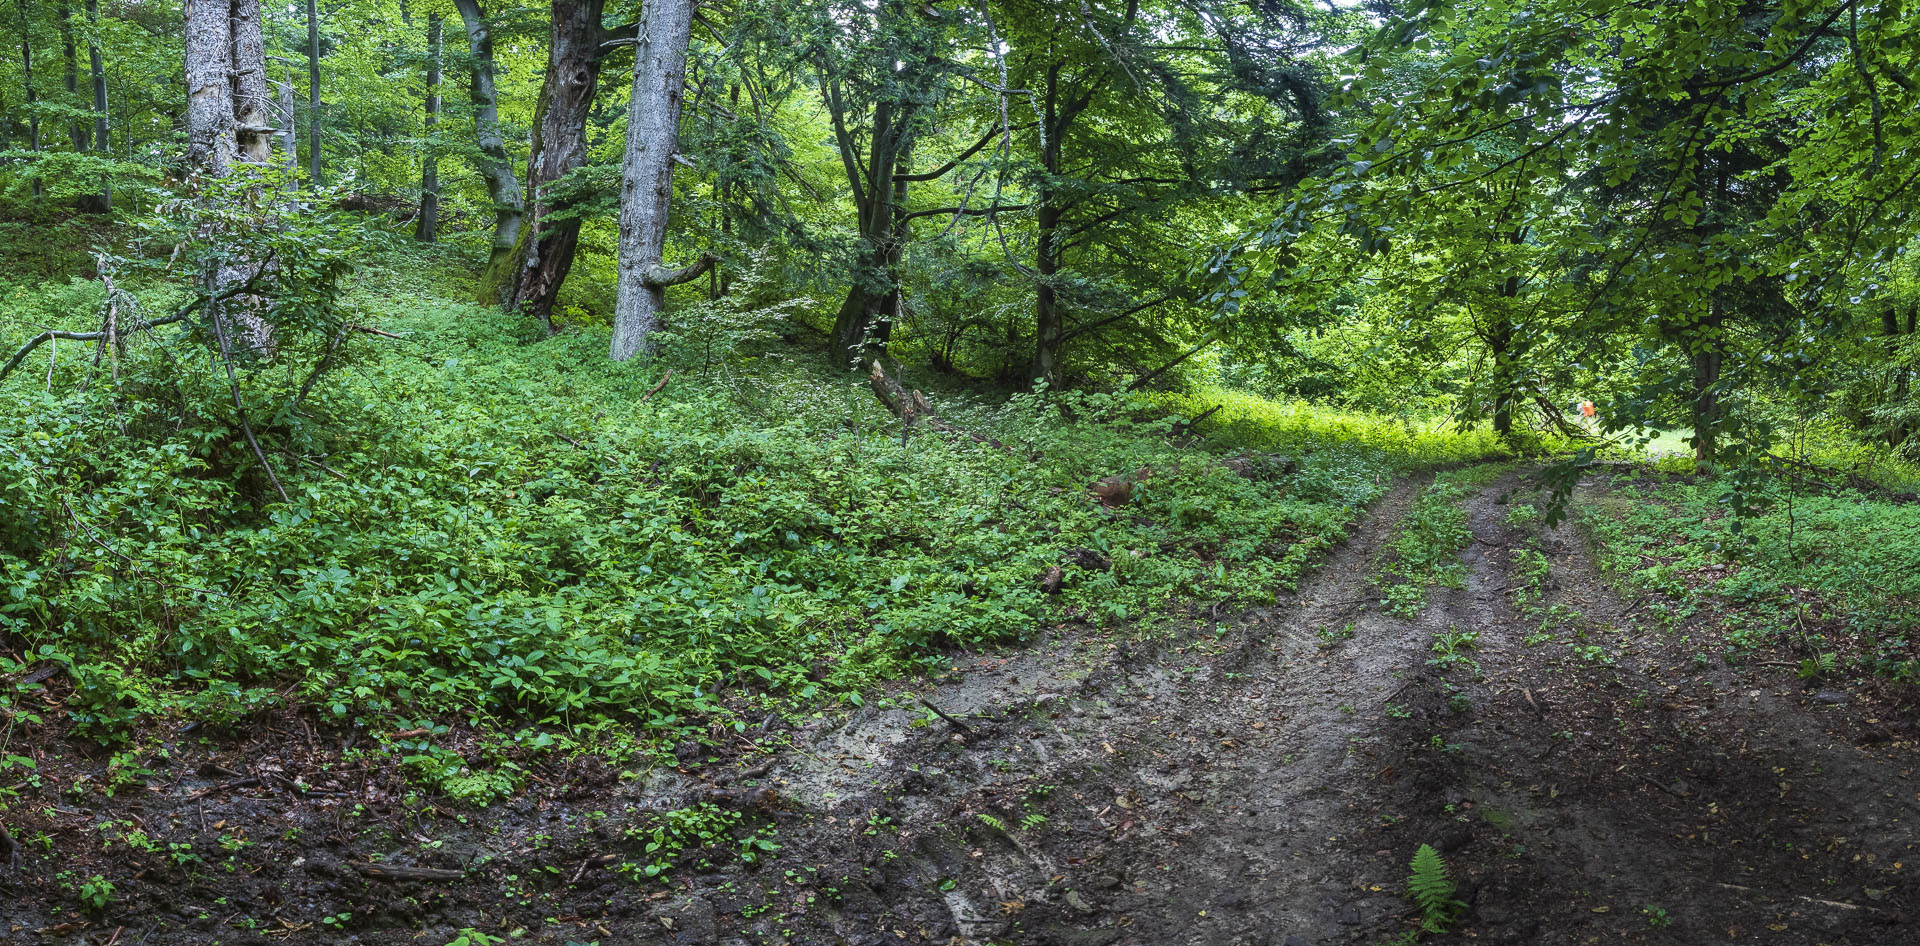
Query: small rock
x=1106 y=881
x=1832 y=696
x=1078 y=902
x=689 y=922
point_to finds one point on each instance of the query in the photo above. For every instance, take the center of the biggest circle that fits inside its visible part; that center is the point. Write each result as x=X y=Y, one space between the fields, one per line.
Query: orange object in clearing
x=1586 y=408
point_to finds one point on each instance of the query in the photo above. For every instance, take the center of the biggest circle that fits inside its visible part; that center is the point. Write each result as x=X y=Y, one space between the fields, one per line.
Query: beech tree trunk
x=559 y=147
x=78 y=130
x=503 y=186
x=428 y=228
x=865 y=321
x=103 y=201
x=646 y=186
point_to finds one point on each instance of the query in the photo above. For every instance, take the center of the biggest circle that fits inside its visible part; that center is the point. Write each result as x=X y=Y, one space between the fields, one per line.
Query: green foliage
x=1432 y=891
x=703 y=827
x=1430 y=539
x=479 y=526
x=1792 y=572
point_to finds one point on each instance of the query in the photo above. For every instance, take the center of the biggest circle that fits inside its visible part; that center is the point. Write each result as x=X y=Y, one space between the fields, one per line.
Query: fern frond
x=1430 y=889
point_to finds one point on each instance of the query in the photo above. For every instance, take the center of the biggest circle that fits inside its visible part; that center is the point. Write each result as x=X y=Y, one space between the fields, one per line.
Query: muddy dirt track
x=1588 y=780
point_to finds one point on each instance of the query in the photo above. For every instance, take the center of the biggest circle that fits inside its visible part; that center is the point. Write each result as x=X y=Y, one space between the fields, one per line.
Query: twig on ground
x=937 y=711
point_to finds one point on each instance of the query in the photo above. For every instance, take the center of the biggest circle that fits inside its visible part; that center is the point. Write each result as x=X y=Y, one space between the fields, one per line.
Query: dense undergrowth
x=1833 y=575
x=517 y=531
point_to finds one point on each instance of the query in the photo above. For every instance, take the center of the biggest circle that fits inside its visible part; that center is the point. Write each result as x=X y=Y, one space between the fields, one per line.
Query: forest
x=967 y=472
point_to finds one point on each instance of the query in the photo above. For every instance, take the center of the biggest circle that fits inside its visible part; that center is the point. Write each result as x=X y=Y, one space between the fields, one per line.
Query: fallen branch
x=398 y=872
x=1185 y=427
x=912 y=407
x=51 y=334
x=644 y=398
x=965 y=730
x=370 y=330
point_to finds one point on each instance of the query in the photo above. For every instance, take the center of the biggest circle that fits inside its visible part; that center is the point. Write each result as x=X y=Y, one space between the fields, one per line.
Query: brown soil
x=1264 y=786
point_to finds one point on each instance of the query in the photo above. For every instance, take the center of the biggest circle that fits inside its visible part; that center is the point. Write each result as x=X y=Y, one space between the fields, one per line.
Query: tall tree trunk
x=428 y=228
x=252 y=104
x=226 y=79
x=646 y=178
x=78 y=130
x=313 y=93
x=289 y=138
x=1506 y=356
x=97 y=67
x=865 y=321
x=1049 y=322
x=26 y=81
x=209 y=64
x=503 y=186
x=1058 y=118
x=1707 y=354
x=547 y=246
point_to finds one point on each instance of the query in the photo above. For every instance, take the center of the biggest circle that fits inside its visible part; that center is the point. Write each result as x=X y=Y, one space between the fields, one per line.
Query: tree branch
x=660 y=277
x=964 y=211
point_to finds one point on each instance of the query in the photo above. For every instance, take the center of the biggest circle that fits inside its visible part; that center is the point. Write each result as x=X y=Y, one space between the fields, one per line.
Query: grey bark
x=427 y=229
x=646 y=185
x=78 y=130
x=209 y=63
x=503 y=186
x=313 y=93
x=289 y=138
x=226 y=74
x=252 y=103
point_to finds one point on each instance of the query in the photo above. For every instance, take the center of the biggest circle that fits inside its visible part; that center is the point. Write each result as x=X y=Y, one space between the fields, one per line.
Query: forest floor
x=1587 y=779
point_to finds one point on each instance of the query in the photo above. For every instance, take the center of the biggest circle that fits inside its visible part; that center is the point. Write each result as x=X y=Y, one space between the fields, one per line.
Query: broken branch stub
x=912 y=407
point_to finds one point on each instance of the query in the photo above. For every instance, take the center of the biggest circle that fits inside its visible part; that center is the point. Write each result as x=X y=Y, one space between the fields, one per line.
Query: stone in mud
x=688 y=922
x=1832 y=696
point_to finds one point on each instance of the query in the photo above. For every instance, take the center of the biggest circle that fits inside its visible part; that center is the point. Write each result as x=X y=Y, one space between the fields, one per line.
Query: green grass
x=515 y=532
x=1404 y=444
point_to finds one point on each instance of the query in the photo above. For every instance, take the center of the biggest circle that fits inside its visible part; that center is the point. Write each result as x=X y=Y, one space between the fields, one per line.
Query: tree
x=97 y=68
x=503 y=186
x=576 y=47
x=26 y=82
x=314 y=150
x=646 y=178
x=881 y=75
x=226 y=107
x=428 y=227
x=211 y=143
